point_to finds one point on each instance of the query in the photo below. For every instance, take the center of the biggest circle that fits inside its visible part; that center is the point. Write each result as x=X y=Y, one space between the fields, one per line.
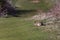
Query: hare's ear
x=43 y=24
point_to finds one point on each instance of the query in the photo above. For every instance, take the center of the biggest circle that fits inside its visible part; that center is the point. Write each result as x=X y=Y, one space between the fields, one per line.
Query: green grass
x=27 y=5
x=20 y=29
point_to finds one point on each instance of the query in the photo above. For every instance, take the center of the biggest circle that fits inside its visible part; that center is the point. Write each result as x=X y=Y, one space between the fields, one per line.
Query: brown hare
x=37 y=23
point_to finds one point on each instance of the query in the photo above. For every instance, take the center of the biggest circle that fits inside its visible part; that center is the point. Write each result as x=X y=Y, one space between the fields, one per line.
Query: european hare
x=37 y=23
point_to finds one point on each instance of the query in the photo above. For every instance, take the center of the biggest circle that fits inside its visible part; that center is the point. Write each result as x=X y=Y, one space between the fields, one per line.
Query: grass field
x=20 y=29
x=28 y=5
